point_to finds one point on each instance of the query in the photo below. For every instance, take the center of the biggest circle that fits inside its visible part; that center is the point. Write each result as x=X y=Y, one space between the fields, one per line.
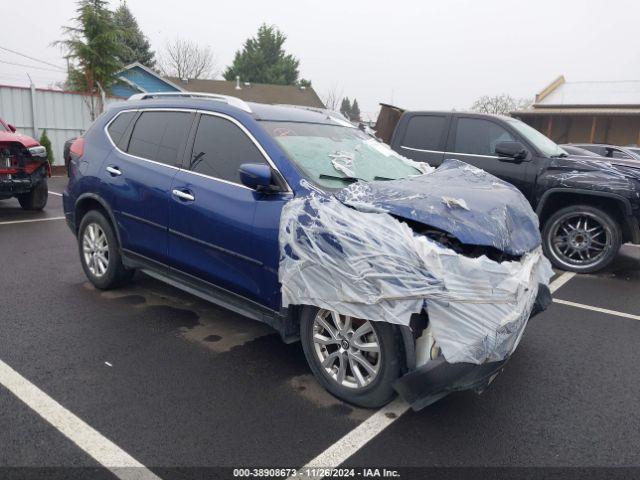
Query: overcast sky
x=418 y=54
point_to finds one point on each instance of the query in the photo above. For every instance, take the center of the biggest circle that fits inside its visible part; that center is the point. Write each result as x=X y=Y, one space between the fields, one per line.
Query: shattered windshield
x=333 y=156
x=546 y=146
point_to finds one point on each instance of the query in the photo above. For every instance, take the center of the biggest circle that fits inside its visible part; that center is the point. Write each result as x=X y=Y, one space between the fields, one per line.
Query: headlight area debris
x=370 y=265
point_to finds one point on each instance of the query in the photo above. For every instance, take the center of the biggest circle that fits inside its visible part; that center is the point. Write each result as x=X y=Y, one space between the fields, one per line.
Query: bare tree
x=186 y=59
x=332 y=98
x=499 y=104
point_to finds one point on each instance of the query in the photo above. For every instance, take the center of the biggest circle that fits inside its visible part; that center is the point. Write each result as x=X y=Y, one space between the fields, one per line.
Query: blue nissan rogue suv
x=384 y=268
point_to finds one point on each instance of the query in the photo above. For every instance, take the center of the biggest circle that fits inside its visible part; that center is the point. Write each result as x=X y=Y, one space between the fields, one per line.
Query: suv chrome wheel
x=95 y=249
x=348 y=348
x=579 y=239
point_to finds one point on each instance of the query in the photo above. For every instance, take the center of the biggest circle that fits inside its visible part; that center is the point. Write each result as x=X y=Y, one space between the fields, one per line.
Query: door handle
x=114 y=171
x=182 y=195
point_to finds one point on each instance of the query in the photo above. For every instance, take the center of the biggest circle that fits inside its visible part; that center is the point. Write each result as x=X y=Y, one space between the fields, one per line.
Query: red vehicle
x=24 y=168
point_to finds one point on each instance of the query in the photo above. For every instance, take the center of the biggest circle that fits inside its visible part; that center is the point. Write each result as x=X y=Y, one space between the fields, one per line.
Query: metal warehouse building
x=587 y=112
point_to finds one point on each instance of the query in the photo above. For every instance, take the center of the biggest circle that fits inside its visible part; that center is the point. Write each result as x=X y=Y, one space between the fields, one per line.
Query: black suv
x=588 y=206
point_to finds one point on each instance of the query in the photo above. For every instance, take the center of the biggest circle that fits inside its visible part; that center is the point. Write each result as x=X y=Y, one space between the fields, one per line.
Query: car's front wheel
x=581 y=238
x=356 y=360
x=99 y=252
x=37 y=198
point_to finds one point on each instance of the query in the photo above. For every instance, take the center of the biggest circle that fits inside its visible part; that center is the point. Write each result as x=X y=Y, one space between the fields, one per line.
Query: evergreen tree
x=345 y=107
x=46 y=143
x=355 y=111
x=135 y=46
x=92 y=46
x=263 y=60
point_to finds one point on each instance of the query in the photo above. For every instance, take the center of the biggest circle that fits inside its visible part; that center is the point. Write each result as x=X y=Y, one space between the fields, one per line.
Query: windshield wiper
x=345 y=179
x=352 y=179
x=560 y=155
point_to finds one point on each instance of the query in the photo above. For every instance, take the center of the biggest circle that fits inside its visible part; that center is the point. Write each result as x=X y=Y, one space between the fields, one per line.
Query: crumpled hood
x=25 y=140
x=458 y=198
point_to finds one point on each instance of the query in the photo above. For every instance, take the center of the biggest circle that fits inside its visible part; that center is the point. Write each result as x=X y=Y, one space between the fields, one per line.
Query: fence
x=64 y=115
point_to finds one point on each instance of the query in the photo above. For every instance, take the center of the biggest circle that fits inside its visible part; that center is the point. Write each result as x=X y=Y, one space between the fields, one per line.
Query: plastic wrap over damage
x=364 y=262
x=611 y=175
x=475 y=206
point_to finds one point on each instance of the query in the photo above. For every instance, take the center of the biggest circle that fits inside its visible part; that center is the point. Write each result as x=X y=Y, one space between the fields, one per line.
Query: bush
x=46 y=143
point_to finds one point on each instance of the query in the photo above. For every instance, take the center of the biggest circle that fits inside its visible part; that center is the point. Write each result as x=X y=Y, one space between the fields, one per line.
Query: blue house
x=136 y=78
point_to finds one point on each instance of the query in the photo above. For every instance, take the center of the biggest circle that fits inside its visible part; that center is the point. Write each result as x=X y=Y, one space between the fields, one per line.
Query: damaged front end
x=21 y=168
x=456 y=247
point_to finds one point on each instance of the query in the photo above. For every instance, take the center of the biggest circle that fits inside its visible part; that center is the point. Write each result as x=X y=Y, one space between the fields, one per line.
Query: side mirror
x=11 y=127
x=511 y=151
x=257 y=176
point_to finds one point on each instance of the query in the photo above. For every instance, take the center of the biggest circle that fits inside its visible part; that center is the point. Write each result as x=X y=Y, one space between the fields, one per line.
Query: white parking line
x=597 y=309
x=560 y=281
x=104 y=451
x=353 y=441
x=55 y=193
x=31 y=221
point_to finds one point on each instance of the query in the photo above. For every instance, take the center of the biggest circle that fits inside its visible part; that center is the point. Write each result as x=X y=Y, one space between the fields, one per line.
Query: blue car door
x=211 y=228
x=139 y=176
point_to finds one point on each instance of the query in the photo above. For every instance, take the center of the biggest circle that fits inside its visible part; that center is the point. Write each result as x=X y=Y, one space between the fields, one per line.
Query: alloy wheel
x=348 y=349
x=579 y=239
x=95 y=249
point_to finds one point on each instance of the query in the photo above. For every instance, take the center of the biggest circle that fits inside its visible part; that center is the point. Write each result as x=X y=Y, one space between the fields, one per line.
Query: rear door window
x=160 y=136
x=425 y=132
x=479 y=137
x=220 y=147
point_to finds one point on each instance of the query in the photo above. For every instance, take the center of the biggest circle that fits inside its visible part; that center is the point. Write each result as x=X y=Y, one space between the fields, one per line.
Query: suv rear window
x=118 y=128
x=160 y=136
x=425 y=132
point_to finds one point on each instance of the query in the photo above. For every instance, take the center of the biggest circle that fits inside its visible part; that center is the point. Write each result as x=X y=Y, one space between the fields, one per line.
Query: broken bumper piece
x=438 y=378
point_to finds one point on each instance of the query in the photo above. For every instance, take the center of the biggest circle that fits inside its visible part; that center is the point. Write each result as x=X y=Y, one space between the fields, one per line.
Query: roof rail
x=233 y=101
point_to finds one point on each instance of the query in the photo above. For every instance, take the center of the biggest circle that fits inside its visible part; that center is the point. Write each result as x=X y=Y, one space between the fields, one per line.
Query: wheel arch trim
x=103 y=203
x=628 y=211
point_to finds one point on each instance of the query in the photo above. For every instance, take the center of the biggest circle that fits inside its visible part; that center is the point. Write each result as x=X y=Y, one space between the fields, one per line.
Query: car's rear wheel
x=36 y=199
x=356 y=360
x=581 y=238
x=100 y=253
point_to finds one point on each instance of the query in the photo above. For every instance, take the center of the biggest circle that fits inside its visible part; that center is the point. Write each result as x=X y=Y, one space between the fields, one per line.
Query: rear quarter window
x=425 y=132
x=118 y=127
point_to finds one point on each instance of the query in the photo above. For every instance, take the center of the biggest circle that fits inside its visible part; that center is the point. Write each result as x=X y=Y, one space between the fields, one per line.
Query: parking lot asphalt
x=176 y=382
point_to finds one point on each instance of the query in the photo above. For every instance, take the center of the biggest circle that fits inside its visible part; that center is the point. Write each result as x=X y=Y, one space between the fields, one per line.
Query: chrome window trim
x=203 y=112
x=413 y=149
x=472 y=155
x=448 y=153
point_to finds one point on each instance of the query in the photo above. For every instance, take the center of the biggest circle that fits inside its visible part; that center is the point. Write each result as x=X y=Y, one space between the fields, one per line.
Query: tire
x=37 y=198
x=581 y=238
x=104 y=271
x=375 y=392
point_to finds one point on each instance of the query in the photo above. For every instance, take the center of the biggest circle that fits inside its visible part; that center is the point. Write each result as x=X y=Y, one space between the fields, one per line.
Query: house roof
x=255 y=92
x=561 y=93
x=536 y=112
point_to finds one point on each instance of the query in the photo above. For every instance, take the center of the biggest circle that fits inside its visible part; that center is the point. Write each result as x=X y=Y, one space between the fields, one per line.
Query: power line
x=31 y=66
x=32 y=58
